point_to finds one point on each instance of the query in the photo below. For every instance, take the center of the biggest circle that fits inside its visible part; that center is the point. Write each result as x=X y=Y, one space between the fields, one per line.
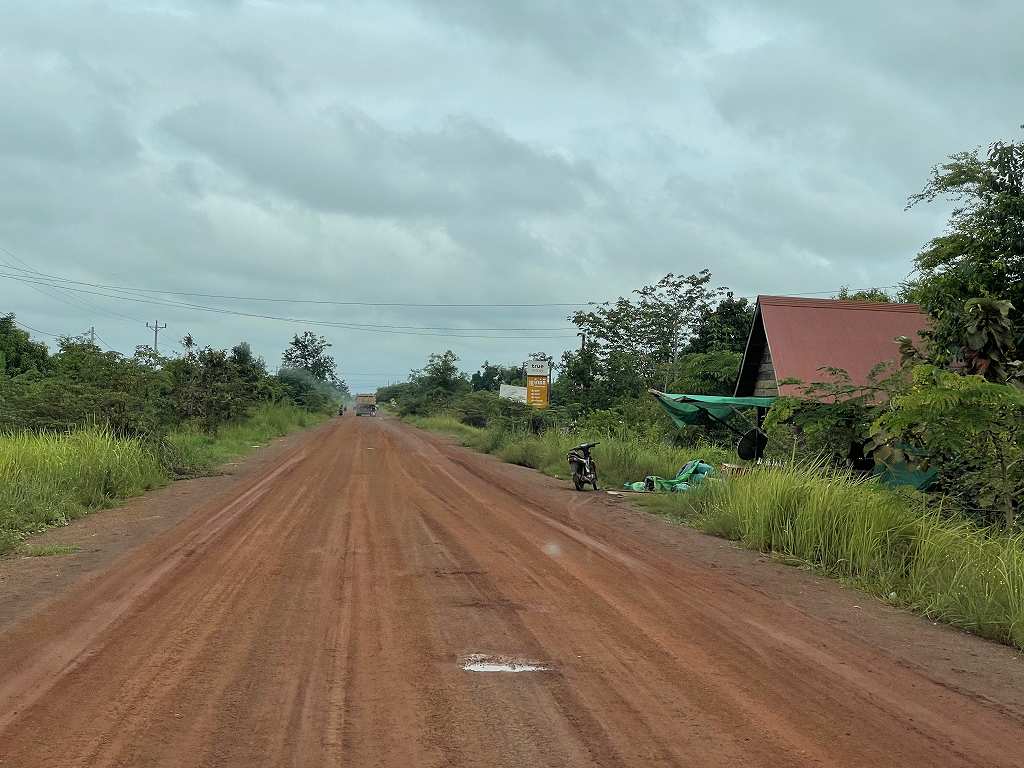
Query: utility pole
x=583 y=341
x=156 y=328
x=91 y=334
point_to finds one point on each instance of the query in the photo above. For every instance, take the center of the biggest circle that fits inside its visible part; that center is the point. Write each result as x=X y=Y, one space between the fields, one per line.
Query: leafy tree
x=591 y=381
x=706 y=373
x=432 y=389
x=833 y=417
x=724 y=328
x=981 y=255
x=18 y=353
x=990 y=348
x=578 y=373
x=441 y=373
x=213 y=387
x=308 y=352
x=652 y=327
x=395 y=392
x=876 y=295
x=491 y=376
x=307 y=391
x=972 y=428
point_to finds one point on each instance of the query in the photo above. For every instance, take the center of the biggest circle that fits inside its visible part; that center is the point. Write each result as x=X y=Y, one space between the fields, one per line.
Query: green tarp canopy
x=688 y=410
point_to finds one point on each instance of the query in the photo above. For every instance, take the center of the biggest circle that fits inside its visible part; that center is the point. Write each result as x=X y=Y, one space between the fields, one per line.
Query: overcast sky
x=462 y=151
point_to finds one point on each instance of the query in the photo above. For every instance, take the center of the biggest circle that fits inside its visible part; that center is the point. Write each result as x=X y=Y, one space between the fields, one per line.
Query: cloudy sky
x=469 y=152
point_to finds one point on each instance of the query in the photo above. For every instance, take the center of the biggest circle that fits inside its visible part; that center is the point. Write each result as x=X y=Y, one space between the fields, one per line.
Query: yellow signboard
x=537 y=391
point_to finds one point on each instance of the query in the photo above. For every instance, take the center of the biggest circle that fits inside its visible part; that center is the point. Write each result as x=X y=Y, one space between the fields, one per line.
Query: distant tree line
x=146 y=394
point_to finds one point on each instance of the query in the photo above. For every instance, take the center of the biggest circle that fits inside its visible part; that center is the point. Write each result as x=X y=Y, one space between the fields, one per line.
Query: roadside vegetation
x=891 y=543
x=82 y=429
x=952 y=411
x=624 y=457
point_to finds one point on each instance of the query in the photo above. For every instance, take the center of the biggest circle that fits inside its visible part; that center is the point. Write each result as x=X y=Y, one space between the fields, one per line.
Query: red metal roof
x=806 y=334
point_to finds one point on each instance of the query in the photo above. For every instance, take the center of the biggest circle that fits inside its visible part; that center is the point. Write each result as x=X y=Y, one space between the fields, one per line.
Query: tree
x=18 y=353
x=652 y=328
x=308 y=352
x=724 y=328
x=876 y=295
x=833 y=417
x=971 y=428
x=990 y=348
x=491 y=376
x=981 y=255
x=442 y=374
x=706 y=373
x=433 y=388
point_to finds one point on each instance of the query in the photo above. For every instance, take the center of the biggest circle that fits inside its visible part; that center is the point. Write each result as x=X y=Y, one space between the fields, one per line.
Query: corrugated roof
x=805 y=335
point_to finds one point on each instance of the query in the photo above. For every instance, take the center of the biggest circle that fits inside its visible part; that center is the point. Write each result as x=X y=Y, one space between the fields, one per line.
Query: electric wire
x=449 y=331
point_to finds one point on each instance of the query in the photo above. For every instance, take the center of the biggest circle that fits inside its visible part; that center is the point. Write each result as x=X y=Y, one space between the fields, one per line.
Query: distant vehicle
x=366 y=405
x=583 y=466
x=341 y=409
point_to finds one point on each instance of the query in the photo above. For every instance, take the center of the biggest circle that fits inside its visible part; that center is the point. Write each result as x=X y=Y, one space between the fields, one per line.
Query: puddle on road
x=481 y=663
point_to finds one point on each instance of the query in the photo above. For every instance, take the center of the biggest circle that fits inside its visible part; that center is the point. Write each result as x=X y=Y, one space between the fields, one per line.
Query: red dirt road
x=316 y=615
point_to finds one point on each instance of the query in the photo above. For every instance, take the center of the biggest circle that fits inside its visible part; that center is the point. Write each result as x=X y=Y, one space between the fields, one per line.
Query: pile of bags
x=691 y=475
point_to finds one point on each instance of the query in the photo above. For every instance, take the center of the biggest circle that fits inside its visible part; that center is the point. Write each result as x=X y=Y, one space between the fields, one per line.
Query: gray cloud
x=342 y=160
x=481 y=152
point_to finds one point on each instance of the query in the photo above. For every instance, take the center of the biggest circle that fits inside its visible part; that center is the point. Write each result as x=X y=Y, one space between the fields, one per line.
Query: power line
x=79 y=302
x=343 y=303
x=409 y=330
x=106 y=343
x=28 y=327
x=451 y=331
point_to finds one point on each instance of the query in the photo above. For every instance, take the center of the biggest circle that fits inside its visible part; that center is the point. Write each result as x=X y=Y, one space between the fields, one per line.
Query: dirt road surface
x=320 y=612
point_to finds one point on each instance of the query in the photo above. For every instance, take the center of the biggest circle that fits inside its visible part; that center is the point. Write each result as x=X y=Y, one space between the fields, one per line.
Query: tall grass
x=52 y=478
x=446 y=424
x=886 y=542
x=195 y=452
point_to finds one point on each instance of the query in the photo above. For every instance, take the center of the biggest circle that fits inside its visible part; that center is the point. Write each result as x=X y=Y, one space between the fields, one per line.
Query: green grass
x=448 y=425
x=48 y=550
x=51 y=479
x=887 y=542
x=194 y=452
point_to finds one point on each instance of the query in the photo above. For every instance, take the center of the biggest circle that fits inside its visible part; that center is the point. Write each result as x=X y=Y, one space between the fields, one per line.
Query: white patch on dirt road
x=478 y=662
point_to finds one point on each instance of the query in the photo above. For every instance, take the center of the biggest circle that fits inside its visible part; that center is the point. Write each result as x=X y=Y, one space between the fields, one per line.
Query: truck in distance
x=366 y=405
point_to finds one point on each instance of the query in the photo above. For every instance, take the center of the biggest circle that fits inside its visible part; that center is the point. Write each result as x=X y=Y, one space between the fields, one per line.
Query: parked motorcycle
x=583 y=466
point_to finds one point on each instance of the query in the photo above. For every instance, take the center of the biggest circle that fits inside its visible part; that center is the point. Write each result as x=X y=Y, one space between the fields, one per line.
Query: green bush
x=477 y=409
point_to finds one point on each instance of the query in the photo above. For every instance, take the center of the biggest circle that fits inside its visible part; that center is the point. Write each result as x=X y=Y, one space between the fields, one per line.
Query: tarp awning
x=687 y=410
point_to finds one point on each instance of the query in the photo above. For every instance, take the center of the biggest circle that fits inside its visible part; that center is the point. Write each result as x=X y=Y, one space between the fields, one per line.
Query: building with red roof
x=793 y=338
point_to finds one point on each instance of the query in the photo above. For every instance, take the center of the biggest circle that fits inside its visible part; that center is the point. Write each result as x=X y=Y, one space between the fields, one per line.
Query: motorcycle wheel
x=577 y=480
